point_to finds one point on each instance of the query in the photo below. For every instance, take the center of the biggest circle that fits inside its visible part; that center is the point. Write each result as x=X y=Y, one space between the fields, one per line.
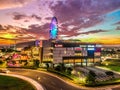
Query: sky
x=96 y=21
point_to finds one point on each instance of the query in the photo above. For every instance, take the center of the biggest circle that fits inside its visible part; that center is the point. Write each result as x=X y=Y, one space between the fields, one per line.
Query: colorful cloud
x=96 y=21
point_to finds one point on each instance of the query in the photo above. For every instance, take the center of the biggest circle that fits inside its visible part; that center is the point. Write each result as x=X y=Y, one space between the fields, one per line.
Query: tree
x=36 y=63
x=47 y=65
x=109 y=73
x=90 y=79
x=69 y=70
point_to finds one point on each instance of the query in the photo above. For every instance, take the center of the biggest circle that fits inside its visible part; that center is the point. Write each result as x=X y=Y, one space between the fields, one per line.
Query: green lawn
x=12 y=83
x=112 y=64
x=114 y=68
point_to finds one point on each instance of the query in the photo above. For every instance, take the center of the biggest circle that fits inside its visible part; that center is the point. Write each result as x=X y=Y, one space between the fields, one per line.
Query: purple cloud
x=93 y=32
x=36 y=17
x=42 y=30
x=75 y=33
x=2 y=28
x=18 y=16
x=82 y=13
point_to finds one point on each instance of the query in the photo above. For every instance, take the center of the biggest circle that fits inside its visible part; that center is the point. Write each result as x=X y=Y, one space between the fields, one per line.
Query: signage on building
x=91 y=46
x=58 y=45
x=78 y=48
x=83 y=45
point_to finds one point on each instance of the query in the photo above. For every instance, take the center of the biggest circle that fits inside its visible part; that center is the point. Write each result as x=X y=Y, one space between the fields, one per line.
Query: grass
x=104 y=83
x=12 y=83
x=114 y=68
x=112 y=64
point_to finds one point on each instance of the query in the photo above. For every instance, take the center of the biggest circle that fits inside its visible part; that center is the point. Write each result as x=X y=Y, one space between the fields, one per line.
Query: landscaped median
x=89 y=81
x=14 y=82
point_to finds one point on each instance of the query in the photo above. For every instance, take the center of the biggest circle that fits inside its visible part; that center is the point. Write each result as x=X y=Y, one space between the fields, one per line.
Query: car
x=4 y=71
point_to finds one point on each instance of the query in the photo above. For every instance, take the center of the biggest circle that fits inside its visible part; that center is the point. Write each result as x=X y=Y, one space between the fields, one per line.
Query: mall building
x=69 y=52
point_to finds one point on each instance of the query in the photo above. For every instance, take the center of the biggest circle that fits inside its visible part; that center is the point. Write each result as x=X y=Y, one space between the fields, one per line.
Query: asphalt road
x=47 y=81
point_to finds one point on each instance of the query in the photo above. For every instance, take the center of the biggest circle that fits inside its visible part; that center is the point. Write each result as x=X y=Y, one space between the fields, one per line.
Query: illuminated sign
x=40 y=44
x=83 y=45
x=78 y=48
x=98 y=45
x=91 y=49
x=97 y=54
x=98 y=49
x=91 y=45
x=58 y=45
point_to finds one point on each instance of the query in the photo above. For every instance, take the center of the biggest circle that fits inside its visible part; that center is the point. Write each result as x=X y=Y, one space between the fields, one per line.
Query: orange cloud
x=7 y=42
x=5 y=4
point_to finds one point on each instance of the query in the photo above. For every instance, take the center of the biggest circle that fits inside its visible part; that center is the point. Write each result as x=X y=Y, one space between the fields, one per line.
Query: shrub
x=69 y=70
x=57 y=68
x=92 y=73
x=90 y=79
x=1 y=62
x=109 y=73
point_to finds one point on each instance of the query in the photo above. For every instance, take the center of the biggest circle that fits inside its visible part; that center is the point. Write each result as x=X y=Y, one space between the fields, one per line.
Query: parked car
x=4 y=71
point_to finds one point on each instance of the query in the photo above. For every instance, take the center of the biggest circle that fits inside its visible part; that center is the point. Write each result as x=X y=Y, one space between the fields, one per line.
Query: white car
x=4 y=71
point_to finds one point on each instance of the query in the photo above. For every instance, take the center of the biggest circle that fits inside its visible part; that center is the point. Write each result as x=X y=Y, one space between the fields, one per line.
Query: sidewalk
x=31 y=81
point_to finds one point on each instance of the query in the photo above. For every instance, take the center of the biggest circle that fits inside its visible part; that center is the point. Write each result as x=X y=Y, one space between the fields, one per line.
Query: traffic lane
x=48 y=82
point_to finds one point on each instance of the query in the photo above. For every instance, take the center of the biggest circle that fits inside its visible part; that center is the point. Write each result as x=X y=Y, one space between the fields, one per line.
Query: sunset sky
x=87 y=20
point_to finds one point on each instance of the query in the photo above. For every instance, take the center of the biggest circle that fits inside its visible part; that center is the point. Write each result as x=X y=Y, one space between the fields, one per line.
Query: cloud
x=15 y=33
x=1 y=28
x=5 y=4
x=118 y=28
x=33 y=32
x=75 y=9
x=36 y=17
x=118 y=23
x=40 y=31
x=18 y=16
x=48 y=18
x=76 y=33
x=82 y=13
x=26 y=18
x=93 y=32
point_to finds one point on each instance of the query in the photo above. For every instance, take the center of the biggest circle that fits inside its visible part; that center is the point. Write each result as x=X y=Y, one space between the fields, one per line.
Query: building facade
x=70 y=52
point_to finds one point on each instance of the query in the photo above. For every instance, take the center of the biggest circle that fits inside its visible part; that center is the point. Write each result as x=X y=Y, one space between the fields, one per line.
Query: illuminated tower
x=53 y=28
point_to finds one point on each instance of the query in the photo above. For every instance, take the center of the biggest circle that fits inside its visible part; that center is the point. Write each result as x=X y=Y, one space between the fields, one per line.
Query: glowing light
x=53 y=28
x=7 y=35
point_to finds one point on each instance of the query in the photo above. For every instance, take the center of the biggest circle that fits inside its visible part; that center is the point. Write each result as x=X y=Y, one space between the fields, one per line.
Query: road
x=47 y=81
x=52 y=83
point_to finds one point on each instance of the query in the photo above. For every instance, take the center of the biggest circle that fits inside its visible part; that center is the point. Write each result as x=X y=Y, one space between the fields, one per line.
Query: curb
x=67 y=82
x=31 y=81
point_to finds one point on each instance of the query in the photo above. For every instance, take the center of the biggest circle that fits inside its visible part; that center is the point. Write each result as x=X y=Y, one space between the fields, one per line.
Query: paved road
x=47 y=81
x=52 y=83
